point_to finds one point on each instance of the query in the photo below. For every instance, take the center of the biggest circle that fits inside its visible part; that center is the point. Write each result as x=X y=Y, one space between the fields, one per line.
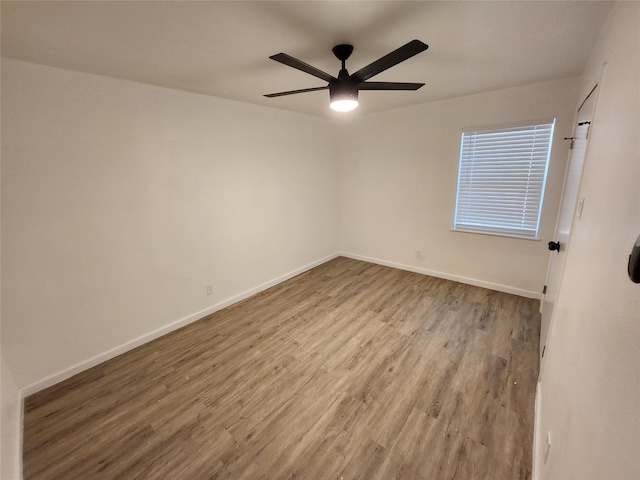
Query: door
x=566 y=214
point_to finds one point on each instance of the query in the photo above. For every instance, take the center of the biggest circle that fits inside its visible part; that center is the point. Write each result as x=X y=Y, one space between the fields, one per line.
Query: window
x=501 y=179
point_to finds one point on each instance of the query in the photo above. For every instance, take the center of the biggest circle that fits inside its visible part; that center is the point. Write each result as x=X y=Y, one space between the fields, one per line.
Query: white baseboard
x=18 y=460
x=447 y=276
x=12 y=433
x=147 y=337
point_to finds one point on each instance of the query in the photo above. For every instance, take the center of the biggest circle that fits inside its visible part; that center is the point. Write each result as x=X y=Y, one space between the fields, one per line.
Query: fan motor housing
x=343 y=90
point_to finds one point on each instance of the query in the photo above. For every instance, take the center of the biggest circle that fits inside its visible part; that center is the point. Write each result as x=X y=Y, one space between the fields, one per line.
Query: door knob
x=554 y=246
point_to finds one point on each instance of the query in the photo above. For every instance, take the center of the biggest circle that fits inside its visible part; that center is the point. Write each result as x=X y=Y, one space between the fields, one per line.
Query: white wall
x=120 y=201
x=590 y=379
x=398 y=187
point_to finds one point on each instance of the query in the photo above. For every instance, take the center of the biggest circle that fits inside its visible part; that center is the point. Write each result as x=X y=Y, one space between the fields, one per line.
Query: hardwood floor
x=348 y=371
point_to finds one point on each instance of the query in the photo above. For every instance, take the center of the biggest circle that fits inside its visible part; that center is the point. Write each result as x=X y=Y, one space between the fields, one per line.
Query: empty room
x=320 y=240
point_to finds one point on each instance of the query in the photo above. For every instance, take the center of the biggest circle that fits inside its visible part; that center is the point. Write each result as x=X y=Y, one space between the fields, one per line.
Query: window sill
x=496 y=234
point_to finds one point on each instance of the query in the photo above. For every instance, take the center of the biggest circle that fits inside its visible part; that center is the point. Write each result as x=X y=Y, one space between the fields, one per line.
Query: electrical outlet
x=209 y=289
x=419 y=254
x=547 y=447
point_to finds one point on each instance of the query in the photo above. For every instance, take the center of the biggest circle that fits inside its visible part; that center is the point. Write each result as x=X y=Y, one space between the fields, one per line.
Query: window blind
x=501 y=179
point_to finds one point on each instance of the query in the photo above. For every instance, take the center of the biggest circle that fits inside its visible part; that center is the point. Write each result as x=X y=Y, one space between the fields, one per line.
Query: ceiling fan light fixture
x=343 y=105
x=343 y=90
x=343 y=96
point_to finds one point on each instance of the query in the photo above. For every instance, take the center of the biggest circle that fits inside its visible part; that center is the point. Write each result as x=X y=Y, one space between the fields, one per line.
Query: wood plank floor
x=348 y=371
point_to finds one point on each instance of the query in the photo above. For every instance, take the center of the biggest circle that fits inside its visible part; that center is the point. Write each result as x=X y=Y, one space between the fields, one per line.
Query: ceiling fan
x=343 y=91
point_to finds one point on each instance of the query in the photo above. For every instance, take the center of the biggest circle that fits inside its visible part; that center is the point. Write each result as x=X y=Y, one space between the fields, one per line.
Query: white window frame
x=502 y=174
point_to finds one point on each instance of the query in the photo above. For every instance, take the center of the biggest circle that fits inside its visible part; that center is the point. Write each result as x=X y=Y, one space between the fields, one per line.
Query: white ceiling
x=221 y=48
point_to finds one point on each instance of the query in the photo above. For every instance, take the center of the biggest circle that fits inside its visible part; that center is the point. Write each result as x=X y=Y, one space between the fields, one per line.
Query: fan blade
x=300 y=65
x=389 y=86
x=400 y=55
x=293 y=92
